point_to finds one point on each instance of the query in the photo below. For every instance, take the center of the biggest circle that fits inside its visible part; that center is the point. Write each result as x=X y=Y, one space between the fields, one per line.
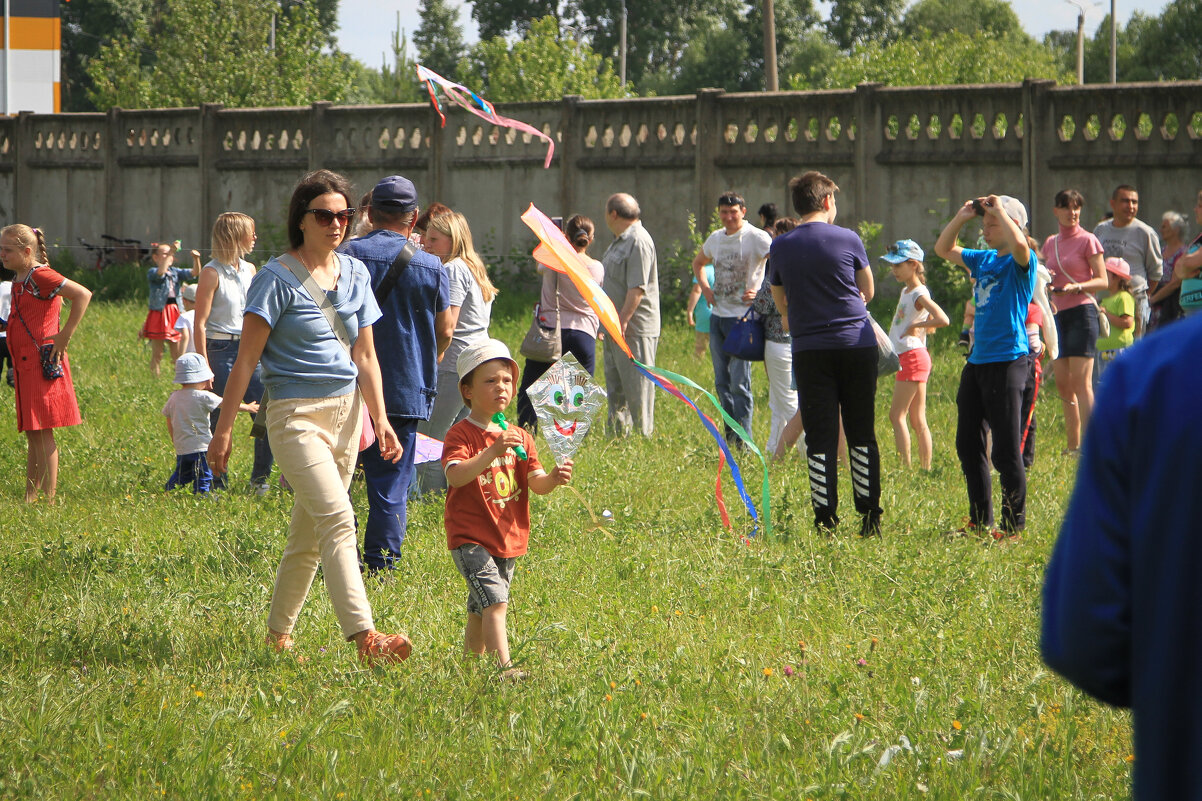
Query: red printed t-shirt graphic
x=493 y=510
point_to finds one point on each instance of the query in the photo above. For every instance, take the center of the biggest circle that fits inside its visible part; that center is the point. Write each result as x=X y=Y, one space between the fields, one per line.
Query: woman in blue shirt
x=314 y=414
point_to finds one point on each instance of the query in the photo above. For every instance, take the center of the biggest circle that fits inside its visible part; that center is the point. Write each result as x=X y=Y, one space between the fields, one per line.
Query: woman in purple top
x=821 y=280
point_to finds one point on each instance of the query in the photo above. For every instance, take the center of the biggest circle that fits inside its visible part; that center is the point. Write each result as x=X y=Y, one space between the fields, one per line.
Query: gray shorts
x=487 y=576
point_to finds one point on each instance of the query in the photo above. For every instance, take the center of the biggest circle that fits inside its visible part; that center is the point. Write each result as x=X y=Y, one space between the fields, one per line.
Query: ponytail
x=43 y=256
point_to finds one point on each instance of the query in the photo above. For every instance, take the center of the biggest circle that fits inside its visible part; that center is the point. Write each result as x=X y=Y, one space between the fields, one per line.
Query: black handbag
x=51 y=368
x=746 y=339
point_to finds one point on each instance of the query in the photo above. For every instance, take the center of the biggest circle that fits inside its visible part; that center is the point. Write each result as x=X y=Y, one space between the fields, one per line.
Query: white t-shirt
x=474 y=312
x=906 y=315
x=738 y=260
x=185 y=323
x=6 y=299
x=188 y=410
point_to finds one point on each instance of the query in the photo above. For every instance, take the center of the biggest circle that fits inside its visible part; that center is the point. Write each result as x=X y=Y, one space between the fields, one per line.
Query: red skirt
x=161 y=324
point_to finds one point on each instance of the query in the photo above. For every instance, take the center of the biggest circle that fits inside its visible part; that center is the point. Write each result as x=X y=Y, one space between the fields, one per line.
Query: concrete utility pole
x=1114 y=43
x=1080 y=39
x=622 y=47
x=770 y=82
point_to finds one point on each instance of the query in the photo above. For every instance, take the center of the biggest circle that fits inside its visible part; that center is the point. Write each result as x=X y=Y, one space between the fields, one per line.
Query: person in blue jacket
x=1122 y=599
x=411 y=335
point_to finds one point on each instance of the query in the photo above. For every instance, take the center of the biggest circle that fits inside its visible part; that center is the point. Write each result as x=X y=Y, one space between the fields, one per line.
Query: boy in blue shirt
x=992 y=383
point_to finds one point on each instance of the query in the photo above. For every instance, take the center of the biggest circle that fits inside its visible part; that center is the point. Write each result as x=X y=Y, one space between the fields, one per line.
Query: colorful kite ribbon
x=558 y=254
x=476 y=105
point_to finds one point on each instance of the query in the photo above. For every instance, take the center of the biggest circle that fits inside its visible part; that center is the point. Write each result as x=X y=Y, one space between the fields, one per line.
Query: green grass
x=131 y=663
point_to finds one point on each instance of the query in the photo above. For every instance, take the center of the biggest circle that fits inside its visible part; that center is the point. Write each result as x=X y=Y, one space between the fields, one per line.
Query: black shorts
x=1077 y=330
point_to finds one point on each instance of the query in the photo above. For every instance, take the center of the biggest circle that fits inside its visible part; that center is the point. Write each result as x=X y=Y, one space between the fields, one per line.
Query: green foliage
x=218 y=51
x=994 y=18
x=439 y=37
x=855 y=23
x=544 y=65
x=132 y=664
x=85 y=27
x=1167 y=47
x=933 y=60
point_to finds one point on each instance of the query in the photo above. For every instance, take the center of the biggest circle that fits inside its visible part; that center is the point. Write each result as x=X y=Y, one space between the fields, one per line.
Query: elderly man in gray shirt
x=632 y=283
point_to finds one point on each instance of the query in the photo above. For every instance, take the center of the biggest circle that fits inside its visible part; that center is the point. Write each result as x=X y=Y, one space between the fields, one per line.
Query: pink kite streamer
x=478 y=106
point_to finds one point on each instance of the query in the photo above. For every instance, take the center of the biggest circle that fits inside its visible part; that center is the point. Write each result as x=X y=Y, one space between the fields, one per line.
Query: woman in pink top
x=1074 y=258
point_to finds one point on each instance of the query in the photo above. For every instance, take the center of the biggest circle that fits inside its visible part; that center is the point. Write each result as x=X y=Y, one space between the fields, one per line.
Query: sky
x=366 y=26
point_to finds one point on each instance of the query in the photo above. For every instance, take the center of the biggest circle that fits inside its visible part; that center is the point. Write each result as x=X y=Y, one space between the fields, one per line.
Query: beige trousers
x=315 y=442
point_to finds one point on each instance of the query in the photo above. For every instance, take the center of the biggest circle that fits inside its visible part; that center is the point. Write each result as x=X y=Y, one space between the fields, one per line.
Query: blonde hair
x=920 y=270
x=231 y=230
x=453 y=225
x=28 y=238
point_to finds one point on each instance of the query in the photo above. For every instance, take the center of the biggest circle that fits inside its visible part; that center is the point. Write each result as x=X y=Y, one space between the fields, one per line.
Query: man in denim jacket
x=411 y=336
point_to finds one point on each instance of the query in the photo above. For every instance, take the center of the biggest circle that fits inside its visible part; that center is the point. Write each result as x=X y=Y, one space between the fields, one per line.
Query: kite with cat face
x=565 y=399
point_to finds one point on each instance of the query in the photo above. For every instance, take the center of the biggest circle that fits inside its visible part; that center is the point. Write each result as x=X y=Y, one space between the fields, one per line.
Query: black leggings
x=830 y=381
x=991 y=395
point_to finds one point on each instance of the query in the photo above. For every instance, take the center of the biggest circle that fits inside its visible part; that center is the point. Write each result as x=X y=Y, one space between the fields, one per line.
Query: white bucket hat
x=191 y=368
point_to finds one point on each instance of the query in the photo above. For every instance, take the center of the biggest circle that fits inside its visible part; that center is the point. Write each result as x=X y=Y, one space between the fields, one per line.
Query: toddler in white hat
x=187 y=412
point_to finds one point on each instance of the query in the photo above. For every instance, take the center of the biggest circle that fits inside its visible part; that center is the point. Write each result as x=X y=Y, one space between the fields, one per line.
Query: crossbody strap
x=394 y=272
x=319 y=296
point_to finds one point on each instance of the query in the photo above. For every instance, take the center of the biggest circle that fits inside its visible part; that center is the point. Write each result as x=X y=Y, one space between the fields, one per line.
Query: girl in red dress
x=165 y=281
x=43 y=404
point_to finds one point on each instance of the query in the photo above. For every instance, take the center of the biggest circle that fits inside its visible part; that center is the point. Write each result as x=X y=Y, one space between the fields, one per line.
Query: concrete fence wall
x=903 y=157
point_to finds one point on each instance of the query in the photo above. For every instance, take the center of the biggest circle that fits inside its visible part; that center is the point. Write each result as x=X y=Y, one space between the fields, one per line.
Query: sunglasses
x=326 y=217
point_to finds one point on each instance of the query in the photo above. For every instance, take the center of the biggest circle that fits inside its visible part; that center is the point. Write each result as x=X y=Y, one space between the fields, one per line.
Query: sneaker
x=967 y=530
x=260 y=488
x=385 y=648
x=870 y=526
x=826 y=524
x=1003 y=537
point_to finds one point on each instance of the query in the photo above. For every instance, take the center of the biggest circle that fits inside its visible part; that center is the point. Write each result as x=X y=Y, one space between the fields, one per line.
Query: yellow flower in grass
x=767 y=672
x=957 y=725
x=859 y=717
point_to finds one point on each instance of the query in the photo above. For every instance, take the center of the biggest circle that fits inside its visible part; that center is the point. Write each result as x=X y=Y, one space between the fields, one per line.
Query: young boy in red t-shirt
x=488 y=507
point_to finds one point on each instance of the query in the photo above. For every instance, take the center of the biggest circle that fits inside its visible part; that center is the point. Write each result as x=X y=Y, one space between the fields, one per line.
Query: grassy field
x=668 y=659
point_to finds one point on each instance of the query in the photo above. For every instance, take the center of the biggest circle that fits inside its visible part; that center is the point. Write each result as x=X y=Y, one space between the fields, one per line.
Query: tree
x=85 y=27
x=216 y=51
x=861 y=22
x=439 y=38
x=994 y=18
x=542 y=66
x=945 y=59
x=673 y=45
x=391 y=84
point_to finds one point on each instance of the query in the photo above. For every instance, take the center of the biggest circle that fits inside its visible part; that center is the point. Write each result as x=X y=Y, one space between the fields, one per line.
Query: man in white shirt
x=1125 y=237
x=739 y=253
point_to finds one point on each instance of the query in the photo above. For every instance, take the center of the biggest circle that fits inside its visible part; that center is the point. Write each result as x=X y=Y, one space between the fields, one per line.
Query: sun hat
x=395 y=193
x=191 y=368
x=1119 y=267
x=903 y=250
x=190 y=292
x=475 y=355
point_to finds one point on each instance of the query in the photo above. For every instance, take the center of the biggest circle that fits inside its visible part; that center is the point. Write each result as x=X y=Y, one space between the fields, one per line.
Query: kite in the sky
x=565 y=399
x=476 y=105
